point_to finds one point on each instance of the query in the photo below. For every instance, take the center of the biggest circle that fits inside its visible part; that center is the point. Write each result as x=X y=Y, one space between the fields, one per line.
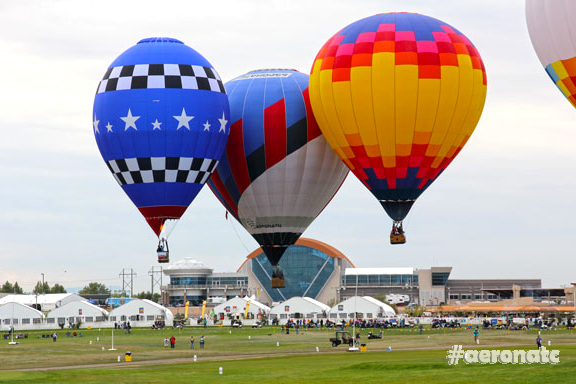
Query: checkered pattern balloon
x=161 y=123
x=397 y=96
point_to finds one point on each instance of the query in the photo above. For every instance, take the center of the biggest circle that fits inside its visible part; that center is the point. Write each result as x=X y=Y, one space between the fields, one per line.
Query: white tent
x=366 y=307
x=141 y=313
x=20 y=316
x=45 y=302
x=299 y=308
x=238 y=305
x=73 y=312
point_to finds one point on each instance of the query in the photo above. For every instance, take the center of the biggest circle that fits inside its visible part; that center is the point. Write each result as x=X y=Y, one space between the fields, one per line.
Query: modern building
x=423 y=286
x=299 y=308
x=19 y=316
x=311 y=268
x=141 y=313
x=77 y=312
x=432 y=287
x=380 y=282
x=317 y=270
x=466 y=290
x=360 y=307
x=194 y=281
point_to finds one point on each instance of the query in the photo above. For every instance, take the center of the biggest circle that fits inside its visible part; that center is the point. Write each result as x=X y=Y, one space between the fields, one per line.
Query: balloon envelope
x=553 y=35
x=278 y=172
x=397 y=96
x=160 y=122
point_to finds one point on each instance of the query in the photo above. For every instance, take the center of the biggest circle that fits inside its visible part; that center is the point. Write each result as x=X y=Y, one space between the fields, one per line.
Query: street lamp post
x=42 y=283
x=12 y=320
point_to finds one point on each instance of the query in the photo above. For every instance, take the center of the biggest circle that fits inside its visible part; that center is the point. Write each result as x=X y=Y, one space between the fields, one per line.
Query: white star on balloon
x=156 y=125
x=207 y=126
x=130 y=120
x=95 y=124
x=223 y=122
x=109 y=127
x=183 y=120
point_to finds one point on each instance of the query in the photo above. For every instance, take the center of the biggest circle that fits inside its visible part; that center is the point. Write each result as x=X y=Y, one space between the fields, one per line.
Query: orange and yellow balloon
x=397 y=96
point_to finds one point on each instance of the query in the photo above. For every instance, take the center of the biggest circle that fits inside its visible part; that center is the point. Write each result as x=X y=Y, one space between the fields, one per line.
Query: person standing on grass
x=166 y=342
x=477 y=335
x=539 y=342
x=172 y=342
x=54 y=337
x=202 y=342
x=191 y=342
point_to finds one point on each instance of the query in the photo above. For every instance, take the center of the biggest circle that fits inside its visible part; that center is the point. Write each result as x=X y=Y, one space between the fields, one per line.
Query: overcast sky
x=503 y=209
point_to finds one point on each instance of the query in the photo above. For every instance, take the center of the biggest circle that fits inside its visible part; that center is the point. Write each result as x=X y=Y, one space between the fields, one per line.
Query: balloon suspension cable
x=238 y=236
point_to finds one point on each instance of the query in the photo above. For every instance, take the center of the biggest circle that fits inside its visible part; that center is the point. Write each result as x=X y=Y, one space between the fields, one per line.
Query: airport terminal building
x=317 y=270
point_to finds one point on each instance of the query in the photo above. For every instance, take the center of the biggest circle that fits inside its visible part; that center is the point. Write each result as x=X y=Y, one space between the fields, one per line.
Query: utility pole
x=127 y=283
x=155 y=279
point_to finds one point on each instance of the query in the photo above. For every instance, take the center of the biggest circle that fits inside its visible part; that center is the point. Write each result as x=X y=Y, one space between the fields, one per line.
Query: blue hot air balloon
x=161 y=123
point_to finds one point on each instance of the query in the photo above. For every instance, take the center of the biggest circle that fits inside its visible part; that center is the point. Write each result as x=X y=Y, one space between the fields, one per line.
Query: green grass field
x=414 y=358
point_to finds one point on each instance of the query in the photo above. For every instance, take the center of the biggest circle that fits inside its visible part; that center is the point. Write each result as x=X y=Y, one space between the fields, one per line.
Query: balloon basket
x=278 y=282
x=163 y=257
x=397 y=239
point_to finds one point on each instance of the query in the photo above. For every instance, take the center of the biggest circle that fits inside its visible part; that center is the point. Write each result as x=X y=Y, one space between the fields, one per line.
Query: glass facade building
x=311 y=269
x=209 y=281
x=376 y=280
x=306 y=271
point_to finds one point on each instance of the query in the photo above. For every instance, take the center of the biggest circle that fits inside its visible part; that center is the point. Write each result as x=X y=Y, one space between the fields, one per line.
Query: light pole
x=42 y=283
x=12 y=320
x=354 y=347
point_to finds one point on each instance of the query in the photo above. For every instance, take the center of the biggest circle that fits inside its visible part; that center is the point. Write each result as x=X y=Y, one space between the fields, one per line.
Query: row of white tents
x=306 y=308
x=140 y=313
x=72 y=309
x=45 y=302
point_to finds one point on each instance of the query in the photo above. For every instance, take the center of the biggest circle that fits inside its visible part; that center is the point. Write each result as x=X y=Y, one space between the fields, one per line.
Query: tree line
x=91 y=288
x=40 y=288
x=99 y=288
x=7 y=287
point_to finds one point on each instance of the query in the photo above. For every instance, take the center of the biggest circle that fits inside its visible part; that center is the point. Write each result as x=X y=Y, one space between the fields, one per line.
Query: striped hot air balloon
x=277 y=173
x=553 y=35
x=397 y=96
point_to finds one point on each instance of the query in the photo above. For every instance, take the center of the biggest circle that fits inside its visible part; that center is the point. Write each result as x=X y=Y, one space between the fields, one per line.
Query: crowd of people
x=296 y=324
x=158 y=324
x=124 y=326
x=445 y=323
